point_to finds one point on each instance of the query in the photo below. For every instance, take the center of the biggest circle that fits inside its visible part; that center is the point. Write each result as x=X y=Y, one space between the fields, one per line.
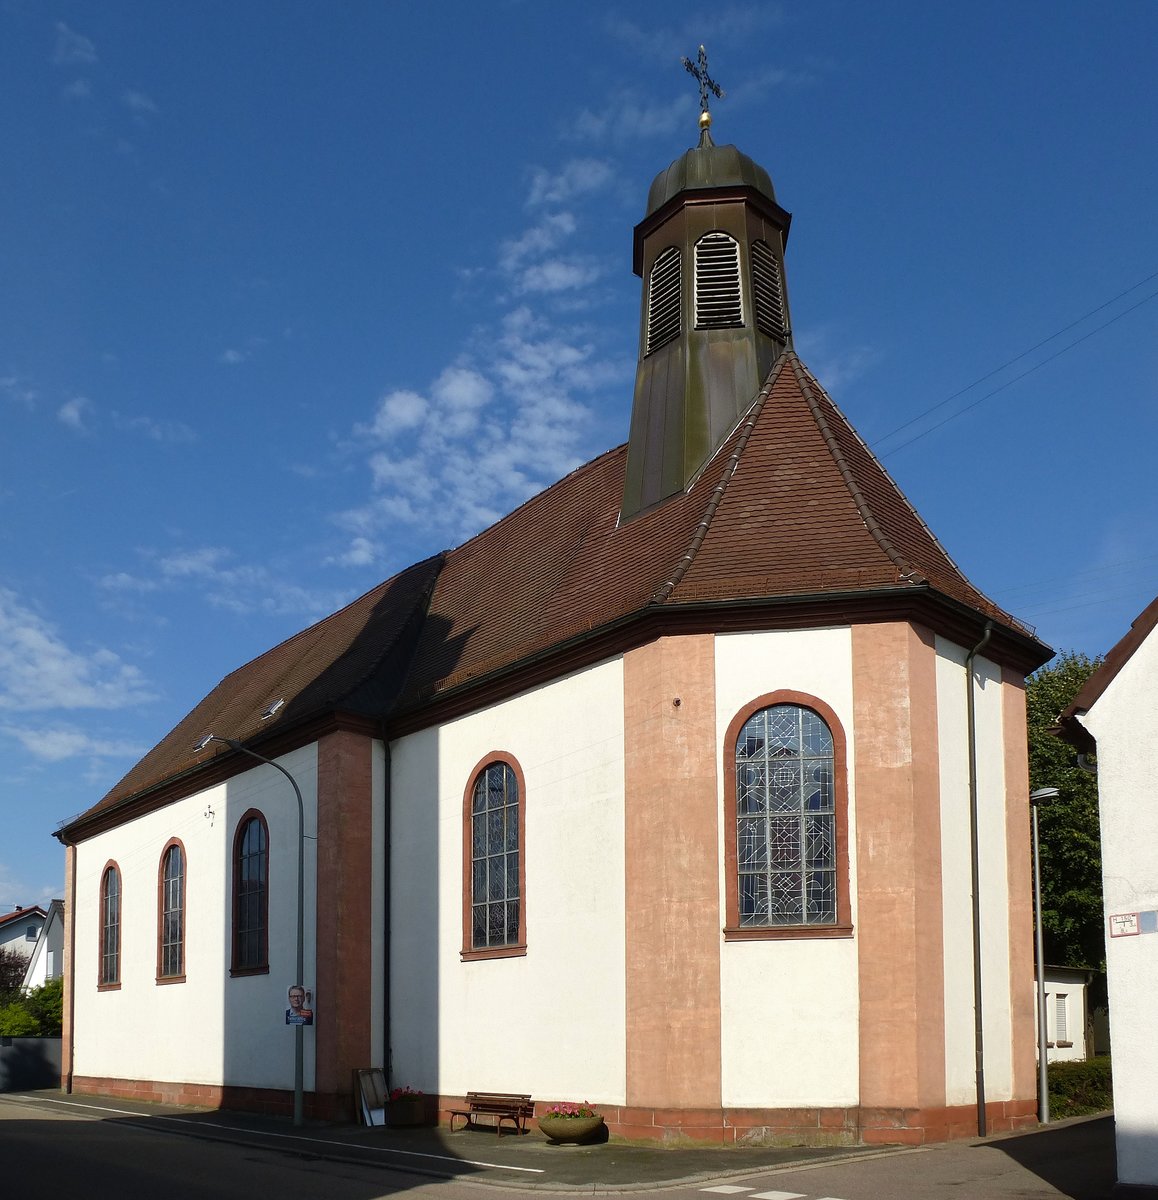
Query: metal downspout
x=386 y=1057
x=975 y=877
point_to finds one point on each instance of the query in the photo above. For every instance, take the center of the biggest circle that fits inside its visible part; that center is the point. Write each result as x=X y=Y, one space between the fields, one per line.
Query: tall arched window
x=251 y=895
x=494 y=904
x=663 y=300
x=718 y=302
x=787 y=812
x=109 y=973
x=171 y=914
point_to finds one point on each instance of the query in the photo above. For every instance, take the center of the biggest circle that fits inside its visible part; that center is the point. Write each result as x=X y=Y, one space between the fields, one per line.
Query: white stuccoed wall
x=178 y=1032
x=1125 y=722
x=551 y=1023
x=956 y=884
x=790 y=1009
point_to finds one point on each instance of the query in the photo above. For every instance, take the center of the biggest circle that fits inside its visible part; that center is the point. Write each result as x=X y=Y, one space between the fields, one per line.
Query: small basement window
x=718 y=303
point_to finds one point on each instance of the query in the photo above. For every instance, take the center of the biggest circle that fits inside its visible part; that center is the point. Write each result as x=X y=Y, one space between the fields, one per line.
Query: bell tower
x=714 y=311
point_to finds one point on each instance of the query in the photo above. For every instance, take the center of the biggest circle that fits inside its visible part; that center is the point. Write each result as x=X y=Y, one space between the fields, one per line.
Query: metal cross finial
x=706 y=82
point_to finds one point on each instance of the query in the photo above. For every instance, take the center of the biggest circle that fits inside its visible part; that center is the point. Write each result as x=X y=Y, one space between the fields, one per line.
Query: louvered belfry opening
x=718 y=303
x=663 y=300
x=768 y=292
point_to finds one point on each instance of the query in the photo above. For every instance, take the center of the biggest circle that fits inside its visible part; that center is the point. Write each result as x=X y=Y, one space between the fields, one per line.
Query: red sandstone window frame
x=842 y=928
x=261 y=965
x=109 y=980
x=163 y=911
x=517 y=948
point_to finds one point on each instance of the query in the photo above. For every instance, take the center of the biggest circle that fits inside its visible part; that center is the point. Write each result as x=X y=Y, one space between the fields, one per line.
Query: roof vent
x=768 y=291
x=718 y=304
x=663 y=300
x=267 y=713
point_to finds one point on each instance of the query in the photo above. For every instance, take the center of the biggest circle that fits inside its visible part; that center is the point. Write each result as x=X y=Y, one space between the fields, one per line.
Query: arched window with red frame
x=494 y=867
x=109 y=967
x=786 y=815
x=171 y=914
x=251 y=896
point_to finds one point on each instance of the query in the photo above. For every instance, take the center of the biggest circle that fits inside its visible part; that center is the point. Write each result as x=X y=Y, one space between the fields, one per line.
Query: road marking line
x=292 y=1137
x=777 y=1196
x=727 y=1189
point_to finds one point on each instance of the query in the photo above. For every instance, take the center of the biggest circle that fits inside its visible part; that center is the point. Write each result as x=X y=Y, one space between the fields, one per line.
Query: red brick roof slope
x=354 y=661
x=809 y=509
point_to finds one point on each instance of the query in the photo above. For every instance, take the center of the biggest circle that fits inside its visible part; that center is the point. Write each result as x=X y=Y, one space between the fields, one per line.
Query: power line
x=1017 y=358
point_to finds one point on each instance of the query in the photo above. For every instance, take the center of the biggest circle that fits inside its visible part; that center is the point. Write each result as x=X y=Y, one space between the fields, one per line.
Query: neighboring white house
x=668 y=791
x=20 y=928
x=47 y=958
x=1067 y=1016
x=1116 y=716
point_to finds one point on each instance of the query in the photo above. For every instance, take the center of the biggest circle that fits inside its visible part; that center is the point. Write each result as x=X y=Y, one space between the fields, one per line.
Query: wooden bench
x=502 y=1106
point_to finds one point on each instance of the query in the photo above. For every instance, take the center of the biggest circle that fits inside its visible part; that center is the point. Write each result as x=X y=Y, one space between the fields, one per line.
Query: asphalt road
x=99 y=1156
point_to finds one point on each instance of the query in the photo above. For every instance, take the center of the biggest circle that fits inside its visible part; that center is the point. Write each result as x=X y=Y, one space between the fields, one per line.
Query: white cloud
x=79 y=89
x=167 y=432
x=57 y=745
x=72 y=47
x=397 y=410
x=629 y=119
x=558 y=275
x=38 y=671
x=72 y=414
x=578 y=177
x=12 y=387
x=539 y=239
x=225 y=584
x=140 y=105
x=232 y=357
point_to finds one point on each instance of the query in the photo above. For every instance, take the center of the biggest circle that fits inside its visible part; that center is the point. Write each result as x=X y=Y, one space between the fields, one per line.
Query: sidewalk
x=528 y=1162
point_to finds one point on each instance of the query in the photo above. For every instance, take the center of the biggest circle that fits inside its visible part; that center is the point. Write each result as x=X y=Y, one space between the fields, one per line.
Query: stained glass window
x=785 y=819
x=495 y=849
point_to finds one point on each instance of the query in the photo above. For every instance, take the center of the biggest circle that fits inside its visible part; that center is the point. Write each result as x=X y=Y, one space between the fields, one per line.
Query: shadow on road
x=1075 y=1157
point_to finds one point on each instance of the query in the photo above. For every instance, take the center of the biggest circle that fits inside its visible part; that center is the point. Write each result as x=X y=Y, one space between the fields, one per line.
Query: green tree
x=46 y=1006
x=17 y=1021
x=1071 y=853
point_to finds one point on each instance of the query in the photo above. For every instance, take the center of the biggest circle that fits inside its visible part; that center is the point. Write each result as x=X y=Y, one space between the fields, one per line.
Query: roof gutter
x=975 y=878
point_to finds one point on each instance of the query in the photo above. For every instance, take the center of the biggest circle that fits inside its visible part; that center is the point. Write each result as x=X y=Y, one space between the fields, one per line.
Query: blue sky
x=292 y=295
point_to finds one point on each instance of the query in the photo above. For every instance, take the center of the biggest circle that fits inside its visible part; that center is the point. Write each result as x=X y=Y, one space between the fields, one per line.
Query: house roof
x=22 y=914
x=1069 y=726
x=792 y=507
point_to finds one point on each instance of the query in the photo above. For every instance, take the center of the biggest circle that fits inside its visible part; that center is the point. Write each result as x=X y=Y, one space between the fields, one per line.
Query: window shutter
x=663 y=300
x=718 y=304
x=768 y=292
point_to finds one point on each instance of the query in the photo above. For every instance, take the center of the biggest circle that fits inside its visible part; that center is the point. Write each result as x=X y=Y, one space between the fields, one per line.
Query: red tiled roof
x=792 y=504
x=22 y=914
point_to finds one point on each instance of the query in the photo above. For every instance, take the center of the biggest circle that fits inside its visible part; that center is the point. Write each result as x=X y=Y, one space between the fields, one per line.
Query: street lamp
x=299 y=976
x=1035 y=798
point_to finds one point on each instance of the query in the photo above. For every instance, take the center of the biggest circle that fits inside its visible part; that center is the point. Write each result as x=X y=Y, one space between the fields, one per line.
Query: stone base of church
x=842 y=1126
x=269 y=1101
x=818 y=1126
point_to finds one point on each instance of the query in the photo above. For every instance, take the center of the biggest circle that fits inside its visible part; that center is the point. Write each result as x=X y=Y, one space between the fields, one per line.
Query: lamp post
x=300 y=969
x=1035 y=798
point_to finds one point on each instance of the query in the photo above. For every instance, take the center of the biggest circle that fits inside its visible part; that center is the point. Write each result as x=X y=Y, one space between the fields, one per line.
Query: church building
x=695 y=788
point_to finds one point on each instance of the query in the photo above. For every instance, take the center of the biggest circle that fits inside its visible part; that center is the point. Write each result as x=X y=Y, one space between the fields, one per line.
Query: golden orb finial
x=705 y=120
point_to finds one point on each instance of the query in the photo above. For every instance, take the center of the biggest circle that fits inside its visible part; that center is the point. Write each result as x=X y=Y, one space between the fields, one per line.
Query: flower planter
x=407 y=1110
x=570 y=1129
